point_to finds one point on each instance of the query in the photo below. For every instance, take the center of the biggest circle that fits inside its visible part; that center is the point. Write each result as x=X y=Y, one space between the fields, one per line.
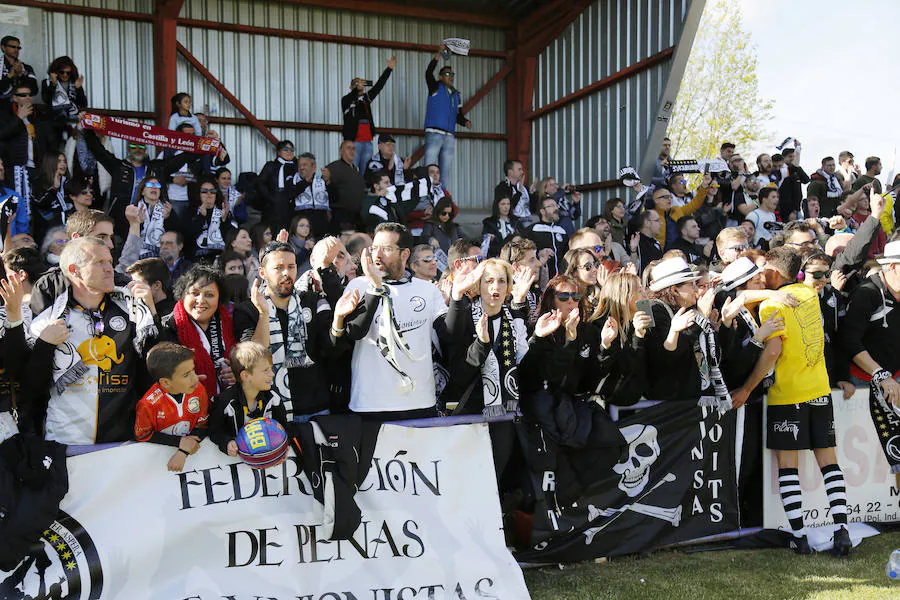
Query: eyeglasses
x=477 y=258
x=566 y=296
x=96 y=322
x=426 y=259
x=738 y=248
x=817 y=274
x=22 y=95
x=155 y=185
x=805 y=244
x=384 y=249
x=207 y=190
x=591 y=266
x=137 y=147
x=664 y=197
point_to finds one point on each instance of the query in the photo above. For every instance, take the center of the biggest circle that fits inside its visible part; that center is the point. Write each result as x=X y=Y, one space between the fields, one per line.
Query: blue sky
x=828 y=66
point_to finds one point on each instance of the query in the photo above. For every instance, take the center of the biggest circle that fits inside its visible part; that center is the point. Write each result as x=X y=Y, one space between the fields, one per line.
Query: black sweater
x=873 y=324
x=227 y=415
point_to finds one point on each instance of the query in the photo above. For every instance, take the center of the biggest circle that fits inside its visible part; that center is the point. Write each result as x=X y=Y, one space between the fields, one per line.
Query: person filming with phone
x=356 y=106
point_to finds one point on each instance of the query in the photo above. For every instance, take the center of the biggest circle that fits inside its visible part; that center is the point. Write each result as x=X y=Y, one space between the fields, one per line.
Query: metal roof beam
x=483 y=19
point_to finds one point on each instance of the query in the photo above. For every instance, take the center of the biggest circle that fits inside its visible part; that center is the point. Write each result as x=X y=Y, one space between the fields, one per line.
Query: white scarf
x=437 y=192
x=390 y=339
x=152 y=229
x=64 y=98
x=211 y=236
x=314 y=197
x=834 y=185
x=379 y=163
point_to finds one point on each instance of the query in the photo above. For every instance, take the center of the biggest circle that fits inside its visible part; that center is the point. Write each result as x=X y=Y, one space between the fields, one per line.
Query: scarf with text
x=314 y=197
x=835 y=190
x=499 y=373
x=152 y=229
x=209 y=350
x=389 y=339
x=141 y=133
x=210 y=239
x=288 y=348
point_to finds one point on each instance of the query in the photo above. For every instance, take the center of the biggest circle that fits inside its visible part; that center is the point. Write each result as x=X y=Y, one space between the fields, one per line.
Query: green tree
x=719 y=97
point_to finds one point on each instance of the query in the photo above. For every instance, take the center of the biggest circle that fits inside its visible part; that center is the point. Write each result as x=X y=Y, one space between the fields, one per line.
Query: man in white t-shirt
x=392 y=372
x=768 y=202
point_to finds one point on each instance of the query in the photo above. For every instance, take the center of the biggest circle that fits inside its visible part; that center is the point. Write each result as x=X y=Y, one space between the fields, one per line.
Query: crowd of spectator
x=165 y=300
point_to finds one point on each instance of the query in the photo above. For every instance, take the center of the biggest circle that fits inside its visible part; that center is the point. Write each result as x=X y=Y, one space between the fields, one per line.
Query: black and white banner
x=129 y=529
x=677 y=482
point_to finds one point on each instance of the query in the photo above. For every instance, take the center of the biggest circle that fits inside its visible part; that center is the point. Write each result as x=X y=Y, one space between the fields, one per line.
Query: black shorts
x=805 y=426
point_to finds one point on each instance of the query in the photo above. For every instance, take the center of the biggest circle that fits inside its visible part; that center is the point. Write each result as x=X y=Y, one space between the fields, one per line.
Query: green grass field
x=731 y=575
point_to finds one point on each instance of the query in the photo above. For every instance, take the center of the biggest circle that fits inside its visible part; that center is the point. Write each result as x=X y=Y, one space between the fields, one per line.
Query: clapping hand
x=572 y=322
x=547 y=323
x=346 y=304
x=523 y=279
x=369 y=269
x=683 y=319
x=463 y=284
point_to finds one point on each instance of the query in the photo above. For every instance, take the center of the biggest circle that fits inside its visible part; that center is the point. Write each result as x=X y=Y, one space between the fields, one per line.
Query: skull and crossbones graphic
x=634 y=475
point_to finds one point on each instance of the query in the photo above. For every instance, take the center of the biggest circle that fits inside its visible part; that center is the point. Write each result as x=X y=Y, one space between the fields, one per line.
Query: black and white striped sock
x=837 y=493
x=791 y=498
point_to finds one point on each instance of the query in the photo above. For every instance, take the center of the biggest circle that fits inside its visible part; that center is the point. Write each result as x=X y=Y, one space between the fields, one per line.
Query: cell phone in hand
x=644 y=306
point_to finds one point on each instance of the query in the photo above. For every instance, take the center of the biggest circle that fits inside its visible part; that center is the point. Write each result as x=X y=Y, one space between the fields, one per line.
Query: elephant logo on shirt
x=100 y=351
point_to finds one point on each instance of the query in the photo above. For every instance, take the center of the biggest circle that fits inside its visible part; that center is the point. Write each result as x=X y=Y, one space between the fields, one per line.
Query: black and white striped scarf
x=288 y=348
x=500 y=373
x=835 y=190
x=210 y=239
x=396 y=194
x=714 y=391
x=314 y=197
x=389 y=339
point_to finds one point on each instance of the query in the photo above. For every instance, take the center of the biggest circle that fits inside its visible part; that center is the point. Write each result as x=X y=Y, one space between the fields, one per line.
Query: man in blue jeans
x=442 y=115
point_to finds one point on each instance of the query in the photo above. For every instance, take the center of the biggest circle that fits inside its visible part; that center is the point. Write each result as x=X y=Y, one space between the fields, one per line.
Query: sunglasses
x=155 y=185
x=817 y=274
x=599 y=249
x=137 y=146
x=448 y=74
x=97 y=322
x=66 y=72
x=476 y=258
x=592 y=266
x=566 y=296
x=287 y=149
x=447 y=213
x=207 y=190
x=426 y=259
x=22 y=95
x=11 y=47
x=738 y=248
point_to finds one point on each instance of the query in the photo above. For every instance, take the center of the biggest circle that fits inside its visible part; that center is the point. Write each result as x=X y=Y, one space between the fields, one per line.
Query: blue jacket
x=443 y=108
x=20 y=222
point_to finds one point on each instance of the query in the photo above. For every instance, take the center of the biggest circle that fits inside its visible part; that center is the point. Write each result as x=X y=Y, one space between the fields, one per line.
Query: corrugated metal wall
x=284 y=79
x=589 y=140
x=115 y=57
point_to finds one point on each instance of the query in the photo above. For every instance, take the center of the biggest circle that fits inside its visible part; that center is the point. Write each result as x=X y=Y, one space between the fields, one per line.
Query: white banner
x=872 y=495
x=431 y=528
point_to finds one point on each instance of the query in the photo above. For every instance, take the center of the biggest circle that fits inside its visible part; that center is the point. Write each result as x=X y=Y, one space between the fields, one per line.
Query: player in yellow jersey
x=800 y=415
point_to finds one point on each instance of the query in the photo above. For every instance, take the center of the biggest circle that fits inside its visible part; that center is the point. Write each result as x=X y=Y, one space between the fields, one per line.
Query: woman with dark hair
x=181 y=113
x=583 y=267
x=301 y=241
x=209 y=222
x=440 y=231
x=50 y=194
x=240 y=241
x=558 y=375
x=683 y=349
x=417 y=218
x=500 y=226
x=236 y=205
x=614 y=213
x=158 y=215
x=202 y=322
x=63 y=90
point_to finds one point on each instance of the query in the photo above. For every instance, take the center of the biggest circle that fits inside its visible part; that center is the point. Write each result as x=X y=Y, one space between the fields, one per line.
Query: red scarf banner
x=149 y=134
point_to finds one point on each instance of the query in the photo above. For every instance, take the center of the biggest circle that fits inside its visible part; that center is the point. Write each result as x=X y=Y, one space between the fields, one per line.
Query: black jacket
x=872 y=324
x=553 y=236
x=491 y=226
x=357 y=108
x=791 y=193
x=671 y=375
x=14 y=137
